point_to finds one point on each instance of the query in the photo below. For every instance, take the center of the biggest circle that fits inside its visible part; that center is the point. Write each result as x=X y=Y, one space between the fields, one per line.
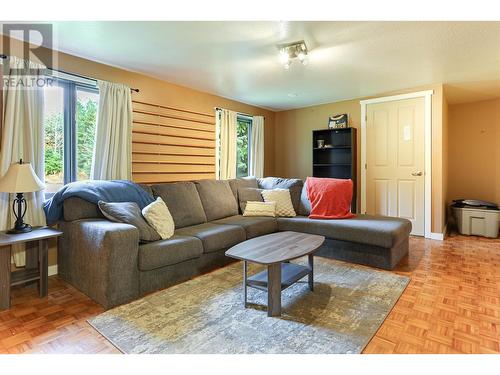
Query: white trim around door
x=427 y=95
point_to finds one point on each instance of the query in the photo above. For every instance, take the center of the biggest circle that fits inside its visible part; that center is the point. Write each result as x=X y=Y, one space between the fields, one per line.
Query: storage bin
x=477 y=221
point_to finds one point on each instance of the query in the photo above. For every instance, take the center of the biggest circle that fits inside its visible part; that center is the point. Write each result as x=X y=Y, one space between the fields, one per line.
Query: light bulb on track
x=291 y=51
x=284 y=57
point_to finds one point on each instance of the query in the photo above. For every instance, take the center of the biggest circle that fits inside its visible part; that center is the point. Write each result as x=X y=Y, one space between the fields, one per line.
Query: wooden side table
x=37 y=267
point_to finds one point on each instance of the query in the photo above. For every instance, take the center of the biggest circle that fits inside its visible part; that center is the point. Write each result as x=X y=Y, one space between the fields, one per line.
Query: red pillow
x=330 y=198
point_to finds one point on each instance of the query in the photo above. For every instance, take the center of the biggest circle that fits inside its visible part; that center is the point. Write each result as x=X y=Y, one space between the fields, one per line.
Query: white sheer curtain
x=112 y=159
x=257 y=147
x=226 y=144
x=22 y=137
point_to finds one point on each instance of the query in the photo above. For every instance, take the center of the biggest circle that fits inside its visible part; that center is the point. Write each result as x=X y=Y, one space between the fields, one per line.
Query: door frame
x=427 y=95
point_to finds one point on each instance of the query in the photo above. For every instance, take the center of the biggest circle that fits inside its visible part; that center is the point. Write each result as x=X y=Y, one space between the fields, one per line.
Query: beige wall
x=438 y=168
x=161 y=92
x=446 y=158
x=293 y=149
x=474 y=151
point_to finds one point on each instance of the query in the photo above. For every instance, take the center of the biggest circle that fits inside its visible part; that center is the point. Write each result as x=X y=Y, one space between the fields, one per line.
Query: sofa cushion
x=214 y=236
x=292 y=184
x=305 y=203
x=217 y=199
x=233 y=184
x=129 y=213
x=163 y=253
x=183 y=202
x=75 y=208
x=243 y=182
x=249 y=194
x=372 y=230
x=249 y=181
x=254 y=226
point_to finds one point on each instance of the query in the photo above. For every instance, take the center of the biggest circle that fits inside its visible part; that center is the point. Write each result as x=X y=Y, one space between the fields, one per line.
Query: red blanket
x=330 y=198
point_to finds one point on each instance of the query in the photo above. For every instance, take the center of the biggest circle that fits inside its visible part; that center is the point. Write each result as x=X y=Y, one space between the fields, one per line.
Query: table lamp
x=20 y=178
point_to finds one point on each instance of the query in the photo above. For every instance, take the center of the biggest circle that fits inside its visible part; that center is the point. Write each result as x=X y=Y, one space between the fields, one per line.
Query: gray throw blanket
x=94 y=191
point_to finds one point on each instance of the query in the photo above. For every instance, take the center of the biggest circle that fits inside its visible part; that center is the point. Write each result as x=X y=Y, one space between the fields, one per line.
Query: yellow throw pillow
x=260 y=209
x=158 y=216
x=284 y=206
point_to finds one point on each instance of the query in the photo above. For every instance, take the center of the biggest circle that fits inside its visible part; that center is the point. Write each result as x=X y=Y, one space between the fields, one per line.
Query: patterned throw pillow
x=158 y=216
x=260 y=209
x=284 y=206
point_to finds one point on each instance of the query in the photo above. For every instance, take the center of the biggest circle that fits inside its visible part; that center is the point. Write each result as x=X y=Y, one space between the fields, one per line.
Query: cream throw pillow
x=284 y=206
x=158 y=216
x=260 y=209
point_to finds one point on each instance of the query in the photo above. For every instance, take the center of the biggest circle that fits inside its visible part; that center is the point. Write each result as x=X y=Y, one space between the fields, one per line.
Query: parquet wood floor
x=452 y=305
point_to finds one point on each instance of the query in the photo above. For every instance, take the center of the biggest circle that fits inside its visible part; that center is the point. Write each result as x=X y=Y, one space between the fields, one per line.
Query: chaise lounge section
x=371 y=240
x=106 y=261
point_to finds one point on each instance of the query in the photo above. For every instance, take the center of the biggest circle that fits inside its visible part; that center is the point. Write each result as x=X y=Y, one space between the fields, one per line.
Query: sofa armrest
x=100 y=258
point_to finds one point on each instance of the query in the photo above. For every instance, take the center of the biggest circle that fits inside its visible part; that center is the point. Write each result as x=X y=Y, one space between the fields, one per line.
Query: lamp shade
x=20 y=178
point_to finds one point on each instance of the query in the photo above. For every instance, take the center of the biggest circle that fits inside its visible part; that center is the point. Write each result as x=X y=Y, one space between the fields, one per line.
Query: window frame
x=249 y=121
x=70 y=145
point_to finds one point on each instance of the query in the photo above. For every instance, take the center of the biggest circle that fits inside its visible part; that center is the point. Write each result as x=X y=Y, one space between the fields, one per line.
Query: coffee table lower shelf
x=290 y=274
x=276 y=278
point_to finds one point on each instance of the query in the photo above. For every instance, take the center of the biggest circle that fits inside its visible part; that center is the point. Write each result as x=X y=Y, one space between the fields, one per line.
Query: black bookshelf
x=337 y=158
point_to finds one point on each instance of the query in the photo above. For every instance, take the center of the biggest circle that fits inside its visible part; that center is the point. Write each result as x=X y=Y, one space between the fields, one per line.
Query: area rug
x=206 y=314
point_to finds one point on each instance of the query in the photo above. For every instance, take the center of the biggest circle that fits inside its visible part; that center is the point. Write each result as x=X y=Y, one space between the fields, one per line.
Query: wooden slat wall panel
x=174 y=132
x=173 y=159
x=175 y=112
x=171 y=141
x=171 y=144
x=156 y=178
x=174 y=117
x=173 y=123
x=170 y=168
x=155 y=149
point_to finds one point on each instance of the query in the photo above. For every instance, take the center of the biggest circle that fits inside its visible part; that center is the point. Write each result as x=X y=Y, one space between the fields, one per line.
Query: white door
x=395 y=160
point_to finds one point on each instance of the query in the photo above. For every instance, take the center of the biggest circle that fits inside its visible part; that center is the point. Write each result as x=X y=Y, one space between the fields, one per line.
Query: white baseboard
x=436 y=236
x=439 y=236
x=53 y=270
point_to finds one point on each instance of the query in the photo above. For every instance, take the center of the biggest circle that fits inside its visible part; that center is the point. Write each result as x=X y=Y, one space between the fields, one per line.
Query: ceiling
x=239 y=60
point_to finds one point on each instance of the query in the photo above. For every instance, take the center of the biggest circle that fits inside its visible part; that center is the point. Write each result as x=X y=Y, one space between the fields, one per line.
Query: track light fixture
x=290 y=51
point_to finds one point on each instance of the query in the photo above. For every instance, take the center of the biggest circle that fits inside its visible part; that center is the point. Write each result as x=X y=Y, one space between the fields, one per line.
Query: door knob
x=417 y=173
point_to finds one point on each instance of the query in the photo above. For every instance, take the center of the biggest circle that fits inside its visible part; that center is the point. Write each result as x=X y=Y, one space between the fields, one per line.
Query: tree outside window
x=243 y=131
x=70 y=117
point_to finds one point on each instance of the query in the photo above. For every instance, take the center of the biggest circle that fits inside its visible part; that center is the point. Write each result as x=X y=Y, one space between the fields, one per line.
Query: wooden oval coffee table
x=275 y=251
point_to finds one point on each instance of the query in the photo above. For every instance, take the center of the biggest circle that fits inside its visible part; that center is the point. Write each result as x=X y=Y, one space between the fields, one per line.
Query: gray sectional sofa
x=106 y=261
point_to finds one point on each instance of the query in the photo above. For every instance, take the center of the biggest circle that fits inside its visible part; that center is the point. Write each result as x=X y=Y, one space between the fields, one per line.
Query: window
x=70 y=117
x=243 y=131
